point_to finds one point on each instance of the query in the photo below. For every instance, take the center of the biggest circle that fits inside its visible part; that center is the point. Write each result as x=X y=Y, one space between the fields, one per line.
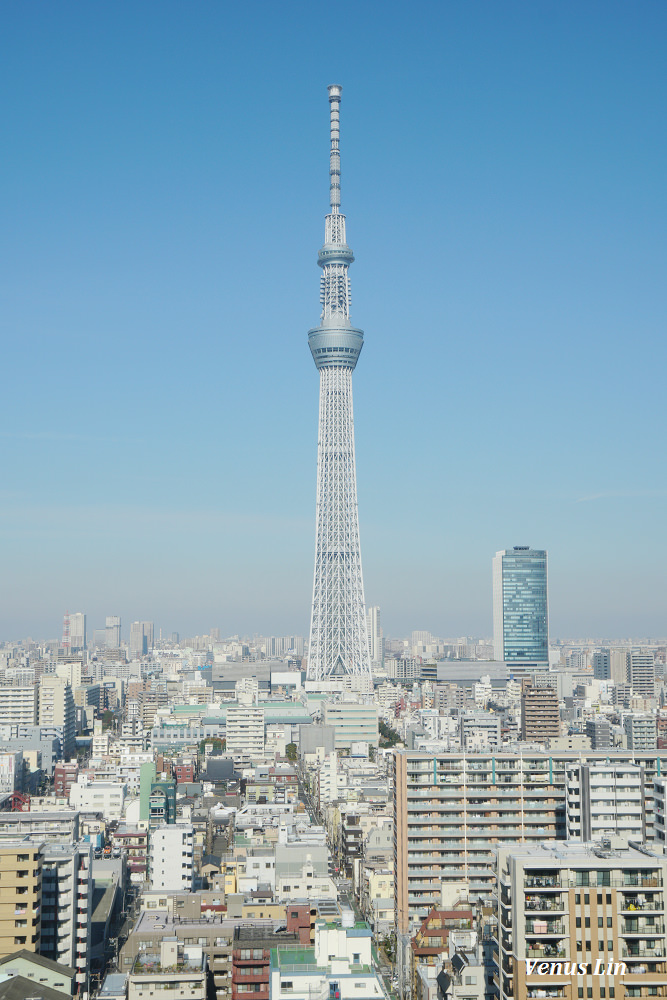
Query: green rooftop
x=286 y=955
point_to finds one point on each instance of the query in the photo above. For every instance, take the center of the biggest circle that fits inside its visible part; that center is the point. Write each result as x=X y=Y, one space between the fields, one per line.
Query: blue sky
x=164 y=186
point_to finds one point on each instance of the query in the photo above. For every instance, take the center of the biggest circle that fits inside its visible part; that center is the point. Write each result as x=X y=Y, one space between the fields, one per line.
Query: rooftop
x=574 y=852
x=150 y=964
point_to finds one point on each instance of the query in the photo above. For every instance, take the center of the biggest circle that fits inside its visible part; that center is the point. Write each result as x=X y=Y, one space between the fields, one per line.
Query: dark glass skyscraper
x=520 y=609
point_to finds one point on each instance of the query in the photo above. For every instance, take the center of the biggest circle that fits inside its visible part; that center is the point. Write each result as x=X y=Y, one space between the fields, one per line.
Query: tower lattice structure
x=338 y=635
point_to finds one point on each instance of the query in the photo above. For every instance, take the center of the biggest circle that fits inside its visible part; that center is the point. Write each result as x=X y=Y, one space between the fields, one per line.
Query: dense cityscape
x=342 y=815
x=194 y=815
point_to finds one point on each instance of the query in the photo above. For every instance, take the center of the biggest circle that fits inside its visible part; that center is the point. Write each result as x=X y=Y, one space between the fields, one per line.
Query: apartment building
x=251 y=958
x=67 y=897
x=57 y=711
x=171 y=849
x=12 y=770
x=641 y=732
x=245 y=730
x=540 y=713
x=65 y=775
x=598 y=730
x=20 y=896
x=105 y=797
x=183 y=917
x=451 y=811
x=61 y=826
x=171 y=972
x=18 y=704
x=599 y=908
x=602 y=800
x=641 y=673
x=479 y=729
x=339 y=965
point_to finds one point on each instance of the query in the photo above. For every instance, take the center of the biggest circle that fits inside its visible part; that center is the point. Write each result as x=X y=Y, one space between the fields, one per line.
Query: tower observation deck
x=338 y=638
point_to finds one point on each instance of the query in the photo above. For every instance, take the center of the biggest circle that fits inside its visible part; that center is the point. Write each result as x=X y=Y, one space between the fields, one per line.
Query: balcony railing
x=641 y=951
x=549 y=928
x=545 y=903
x=548 y=951
x=641 y=927
x=632 y=903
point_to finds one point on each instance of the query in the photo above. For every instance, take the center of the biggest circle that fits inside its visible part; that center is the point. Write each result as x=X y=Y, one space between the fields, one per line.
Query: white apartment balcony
x=630 y=904
x=545 y=951
x=638 y=951
x=545 y=928
x=545 y=904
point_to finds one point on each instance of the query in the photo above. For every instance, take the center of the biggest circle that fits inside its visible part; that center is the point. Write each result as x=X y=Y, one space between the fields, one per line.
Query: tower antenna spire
x=335 y=92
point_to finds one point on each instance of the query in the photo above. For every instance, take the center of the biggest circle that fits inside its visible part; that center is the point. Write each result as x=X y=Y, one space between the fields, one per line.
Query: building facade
x=171 y=854
x=453 y=810
x=598 y=907
x=604 y=800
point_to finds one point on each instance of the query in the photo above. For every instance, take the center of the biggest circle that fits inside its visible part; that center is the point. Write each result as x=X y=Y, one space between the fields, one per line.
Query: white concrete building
x=353 y=722
x=11 y=771
x=171 y=850
x=479 y=730
x=57 y=710
x=340 y=965
x=105 y=797
x=640 y=732
x=67 y=897
x=602 y=800
x=245 y=730
x=305 y=885
x=18 y=704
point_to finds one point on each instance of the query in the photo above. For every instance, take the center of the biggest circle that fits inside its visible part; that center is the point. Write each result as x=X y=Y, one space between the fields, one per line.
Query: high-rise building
x=67 y=895
x=602 y=665
x=641 y=731
x=18 y=704
x=580 y=920
x=112 y=639
x=245 y=729
x=375 y=640
x=540 y=713
x=604 y=800
x=452 y=810
x=338 y=641
x=641 y=673
x=520 y=609
x=57 y=711
x=77 y=632
x=141 y=638
x=21 y=896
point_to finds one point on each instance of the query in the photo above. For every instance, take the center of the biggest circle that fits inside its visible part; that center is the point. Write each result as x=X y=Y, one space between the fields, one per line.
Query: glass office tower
x=520 y=611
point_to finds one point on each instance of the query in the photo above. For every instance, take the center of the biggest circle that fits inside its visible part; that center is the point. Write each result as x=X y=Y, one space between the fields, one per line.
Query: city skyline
x=158 y=442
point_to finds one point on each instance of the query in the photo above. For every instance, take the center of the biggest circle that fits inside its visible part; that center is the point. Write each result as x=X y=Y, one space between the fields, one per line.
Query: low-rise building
x=172 y=972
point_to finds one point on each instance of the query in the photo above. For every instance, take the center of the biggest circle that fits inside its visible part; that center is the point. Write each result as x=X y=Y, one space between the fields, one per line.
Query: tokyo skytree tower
x=338 y=638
